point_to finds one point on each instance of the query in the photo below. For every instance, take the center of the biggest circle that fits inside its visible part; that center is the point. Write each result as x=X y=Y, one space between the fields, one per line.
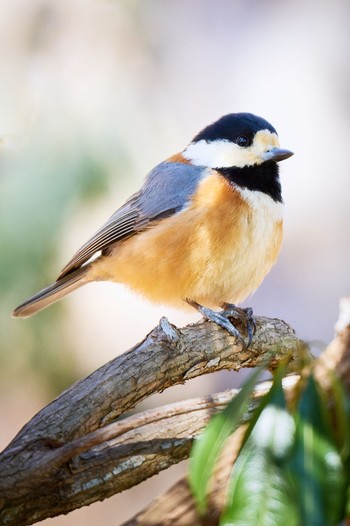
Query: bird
x=203 y=231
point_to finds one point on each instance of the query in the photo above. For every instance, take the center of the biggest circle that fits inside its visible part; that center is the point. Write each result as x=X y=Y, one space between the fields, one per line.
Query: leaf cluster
x=293 y=466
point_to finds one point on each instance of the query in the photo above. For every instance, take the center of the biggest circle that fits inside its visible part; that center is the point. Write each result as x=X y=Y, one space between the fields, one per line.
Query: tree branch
x=177 y=506
x=70 y=454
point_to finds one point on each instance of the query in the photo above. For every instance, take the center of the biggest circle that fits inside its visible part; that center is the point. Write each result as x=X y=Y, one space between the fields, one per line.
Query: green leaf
x=347 y=504
x=341 y=417
x=315 y=464
x=342 y=431
x=274 y=430
x=271 y=425
x=341 y=410
x=208 y=446
x=259 y=492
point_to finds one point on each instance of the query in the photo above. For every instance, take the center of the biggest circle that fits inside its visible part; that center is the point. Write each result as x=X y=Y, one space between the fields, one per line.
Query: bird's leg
x=244 y=315
x=222 y=319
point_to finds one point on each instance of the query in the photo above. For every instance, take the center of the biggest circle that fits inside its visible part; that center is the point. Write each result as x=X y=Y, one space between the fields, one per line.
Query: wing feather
x=167 y=189
x=108 y=234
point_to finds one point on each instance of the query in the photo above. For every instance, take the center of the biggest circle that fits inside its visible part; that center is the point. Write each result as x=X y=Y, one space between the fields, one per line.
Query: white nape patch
x=226 y=154
x=262 y=203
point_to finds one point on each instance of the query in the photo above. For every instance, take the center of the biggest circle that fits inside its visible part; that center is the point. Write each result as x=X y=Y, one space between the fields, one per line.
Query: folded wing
x=167 y=189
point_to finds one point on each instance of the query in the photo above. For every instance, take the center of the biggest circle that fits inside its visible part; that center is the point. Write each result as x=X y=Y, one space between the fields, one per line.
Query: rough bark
x=73 y=452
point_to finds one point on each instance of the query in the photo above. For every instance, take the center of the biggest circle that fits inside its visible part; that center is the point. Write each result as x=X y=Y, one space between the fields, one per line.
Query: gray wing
x=166 y=190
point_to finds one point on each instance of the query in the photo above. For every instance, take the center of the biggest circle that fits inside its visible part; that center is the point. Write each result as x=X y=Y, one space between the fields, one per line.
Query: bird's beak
x=277 y=154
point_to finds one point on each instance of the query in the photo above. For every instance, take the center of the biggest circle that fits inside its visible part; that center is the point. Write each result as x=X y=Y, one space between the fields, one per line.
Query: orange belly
x=218 y=249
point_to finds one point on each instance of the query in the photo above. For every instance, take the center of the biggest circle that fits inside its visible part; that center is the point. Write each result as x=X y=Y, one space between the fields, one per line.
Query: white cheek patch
x=226 y=154
x=216 y=154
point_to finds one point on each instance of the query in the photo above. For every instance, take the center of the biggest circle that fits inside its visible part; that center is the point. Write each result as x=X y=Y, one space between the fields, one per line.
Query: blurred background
x=93 y=94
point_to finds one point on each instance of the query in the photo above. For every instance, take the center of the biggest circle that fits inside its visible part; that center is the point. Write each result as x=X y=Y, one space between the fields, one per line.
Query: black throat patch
x=260 y=177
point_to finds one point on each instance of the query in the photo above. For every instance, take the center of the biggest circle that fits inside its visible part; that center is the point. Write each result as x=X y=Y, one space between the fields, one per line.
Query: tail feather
x=52 y=293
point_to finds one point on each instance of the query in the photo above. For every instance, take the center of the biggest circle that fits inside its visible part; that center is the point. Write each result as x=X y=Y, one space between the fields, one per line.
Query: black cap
x=234 y=125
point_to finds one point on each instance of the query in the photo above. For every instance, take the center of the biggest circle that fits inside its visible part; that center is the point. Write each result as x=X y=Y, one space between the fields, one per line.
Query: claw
x=222 y=319
x=244 y=315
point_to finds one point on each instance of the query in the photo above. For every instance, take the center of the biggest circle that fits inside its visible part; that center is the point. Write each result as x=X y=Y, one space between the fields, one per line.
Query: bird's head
x=237 y=140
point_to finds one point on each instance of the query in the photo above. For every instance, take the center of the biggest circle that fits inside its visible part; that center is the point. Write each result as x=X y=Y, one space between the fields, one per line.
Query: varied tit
x=204 y=229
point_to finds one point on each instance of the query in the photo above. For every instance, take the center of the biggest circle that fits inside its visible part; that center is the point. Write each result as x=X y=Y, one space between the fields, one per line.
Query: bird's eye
x=242 y=140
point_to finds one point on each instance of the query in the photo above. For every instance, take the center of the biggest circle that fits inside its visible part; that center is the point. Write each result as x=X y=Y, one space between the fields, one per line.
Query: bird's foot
x=245 y=316
x=222 y=319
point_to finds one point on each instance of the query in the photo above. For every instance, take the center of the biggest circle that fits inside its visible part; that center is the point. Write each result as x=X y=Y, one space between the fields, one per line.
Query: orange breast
x=213 y=251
